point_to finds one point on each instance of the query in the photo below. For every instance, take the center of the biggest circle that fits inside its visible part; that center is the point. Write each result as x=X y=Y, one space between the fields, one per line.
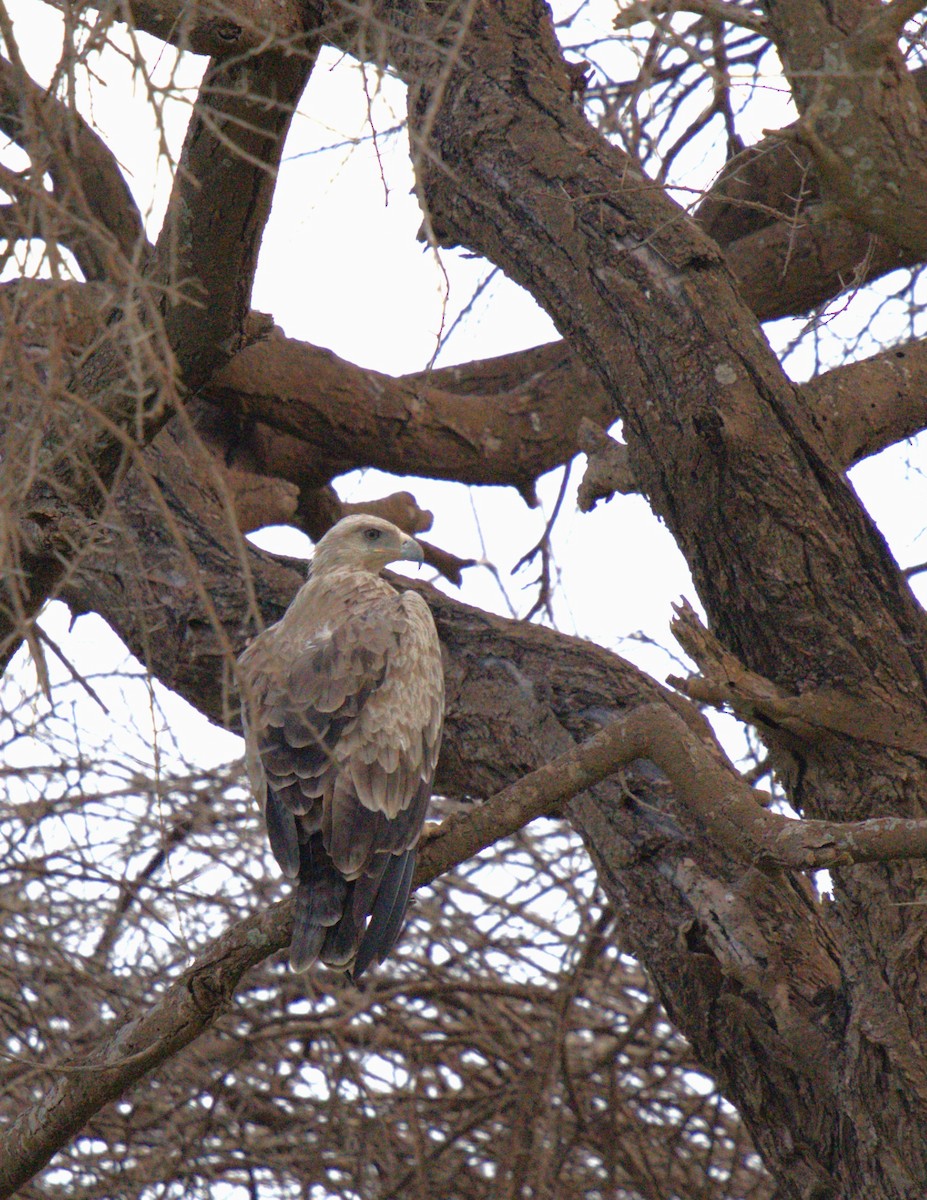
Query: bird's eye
x=373 y=535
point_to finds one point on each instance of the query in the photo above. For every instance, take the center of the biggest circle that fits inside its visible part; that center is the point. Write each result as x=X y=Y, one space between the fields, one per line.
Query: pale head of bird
x=364 y=543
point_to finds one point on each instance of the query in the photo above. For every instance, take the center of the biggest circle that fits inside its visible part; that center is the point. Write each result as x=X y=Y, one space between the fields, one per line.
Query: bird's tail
x=331 y=918
x=321 y=900
x=388 y=912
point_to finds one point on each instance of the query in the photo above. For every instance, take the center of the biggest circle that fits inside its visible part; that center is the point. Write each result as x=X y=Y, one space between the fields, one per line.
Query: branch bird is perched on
x=344 y=705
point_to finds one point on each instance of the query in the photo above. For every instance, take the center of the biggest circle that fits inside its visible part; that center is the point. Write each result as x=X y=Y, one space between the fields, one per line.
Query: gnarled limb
x=702 y=780
x=786 y=264
x=354 y=417
x=862 y=117
x=284 y=417
x=90 y=208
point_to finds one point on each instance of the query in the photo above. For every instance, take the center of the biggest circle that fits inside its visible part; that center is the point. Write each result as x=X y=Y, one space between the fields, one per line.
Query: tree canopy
x=658 y=1000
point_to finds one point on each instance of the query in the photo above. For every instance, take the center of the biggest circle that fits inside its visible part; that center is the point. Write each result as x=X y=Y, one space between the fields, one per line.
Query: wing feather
x=282 y=834
x=349 y=830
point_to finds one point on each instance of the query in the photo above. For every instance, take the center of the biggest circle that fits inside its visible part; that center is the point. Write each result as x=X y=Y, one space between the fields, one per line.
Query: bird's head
x=364 y=543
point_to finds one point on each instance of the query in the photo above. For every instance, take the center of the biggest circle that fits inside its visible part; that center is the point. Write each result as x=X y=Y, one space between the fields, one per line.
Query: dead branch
x=645 y=10
x=816 y=714
x=607 y=470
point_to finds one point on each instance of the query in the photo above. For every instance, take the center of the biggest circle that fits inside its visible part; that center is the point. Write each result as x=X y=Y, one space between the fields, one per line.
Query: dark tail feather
x=388 y=914
x=367 y=888
x=341 y=943
x=397 y=917
x=321 y=898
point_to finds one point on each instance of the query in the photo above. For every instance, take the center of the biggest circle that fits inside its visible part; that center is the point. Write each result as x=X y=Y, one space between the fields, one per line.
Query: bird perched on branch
x=344 y=706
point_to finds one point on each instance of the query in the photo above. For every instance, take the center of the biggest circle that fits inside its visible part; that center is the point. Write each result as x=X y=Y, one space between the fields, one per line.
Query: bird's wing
x=390 y=751
x=306 y=680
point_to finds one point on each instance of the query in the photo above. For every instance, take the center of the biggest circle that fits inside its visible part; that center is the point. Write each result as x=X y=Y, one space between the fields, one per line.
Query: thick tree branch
x=719 y=10
x=786 y=265
x=866 y=406
x=223 y=189
x=703 y=782
x=773 y=180
x=861 y=115
x=356 y=417
x=285 y=417
x=189 y=1005
x=223 y=28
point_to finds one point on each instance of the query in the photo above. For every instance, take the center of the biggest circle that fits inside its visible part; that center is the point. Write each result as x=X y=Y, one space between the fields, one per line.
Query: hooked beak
x=412 y=552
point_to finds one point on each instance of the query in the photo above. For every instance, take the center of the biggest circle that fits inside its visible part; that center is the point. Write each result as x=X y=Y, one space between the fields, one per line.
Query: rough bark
x=510 y=424
x=861 y=114
x=303 y=415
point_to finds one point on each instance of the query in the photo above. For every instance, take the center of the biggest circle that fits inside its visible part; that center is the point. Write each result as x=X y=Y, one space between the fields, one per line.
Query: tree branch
x=90 y=208
x=861 y=115
x=791 y=267
x=148 y=347
x=284 y=417
x=355 y=417
x=222 y=28
x=884 y=27
x=702 y=779
x=734 y=14
x=815 y=714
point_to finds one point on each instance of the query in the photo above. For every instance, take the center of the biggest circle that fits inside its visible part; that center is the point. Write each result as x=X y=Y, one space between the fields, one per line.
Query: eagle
x=343 y=712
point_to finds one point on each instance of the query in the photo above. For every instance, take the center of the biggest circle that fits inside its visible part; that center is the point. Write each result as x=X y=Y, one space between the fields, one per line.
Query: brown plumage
x=344 y=705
